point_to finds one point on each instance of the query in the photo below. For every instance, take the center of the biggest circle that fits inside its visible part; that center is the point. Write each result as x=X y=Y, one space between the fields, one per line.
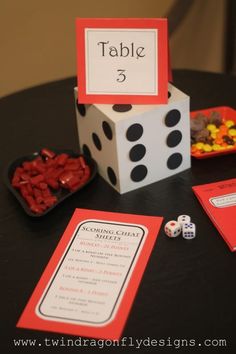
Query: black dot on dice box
x=96 y=141
x=107 y=130
x=174 y=138
x=174 y=161
x=172 y=118
x=169 y=94
x=86 y=150
x=81 y=108
x=138 y=173
x=134 y=132
x=137 y=152
x=121 y=108
x=111 y=175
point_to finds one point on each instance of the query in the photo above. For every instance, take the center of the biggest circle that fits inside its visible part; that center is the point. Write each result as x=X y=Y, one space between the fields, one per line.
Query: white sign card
x=122 y=60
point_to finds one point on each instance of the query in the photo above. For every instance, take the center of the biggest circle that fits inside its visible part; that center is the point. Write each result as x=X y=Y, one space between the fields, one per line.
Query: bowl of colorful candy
x=213 y=132
x=42 y=180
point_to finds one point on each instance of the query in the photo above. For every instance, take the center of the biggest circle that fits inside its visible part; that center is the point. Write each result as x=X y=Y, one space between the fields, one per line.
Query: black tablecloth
x=188 y=290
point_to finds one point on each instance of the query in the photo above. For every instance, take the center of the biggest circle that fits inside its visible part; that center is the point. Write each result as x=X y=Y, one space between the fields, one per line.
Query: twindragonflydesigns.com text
x=135 y=343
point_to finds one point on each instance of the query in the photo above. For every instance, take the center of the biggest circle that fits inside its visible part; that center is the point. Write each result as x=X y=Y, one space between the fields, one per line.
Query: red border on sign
x=113 y=330
x=129 y=23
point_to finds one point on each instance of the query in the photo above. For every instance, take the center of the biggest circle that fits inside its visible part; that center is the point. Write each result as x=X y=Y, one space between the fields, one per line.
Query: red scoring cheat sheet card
x=89 y=285
x=219 y=201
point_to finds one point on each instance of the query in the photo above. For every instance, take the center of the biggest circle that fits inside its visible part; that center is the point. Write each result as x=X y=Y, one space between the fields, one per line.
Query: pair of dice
x=183 y=224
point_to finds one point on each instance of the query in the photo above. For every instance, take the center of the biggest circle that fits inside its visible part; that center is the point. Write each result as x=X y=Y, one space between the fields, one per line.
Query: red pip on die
x=172 y=228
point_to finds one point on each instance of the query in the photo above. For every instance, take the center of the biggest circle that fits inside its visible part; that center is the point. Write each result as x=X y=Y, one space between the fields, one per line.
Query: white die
x=189 y=230
x=135 y=145
x=182 y=219
x=172 y=228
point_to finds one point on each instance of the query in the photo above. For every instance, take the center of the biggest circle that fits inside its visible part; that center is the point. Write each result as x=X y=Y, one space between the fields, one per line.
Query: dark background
x=188 y=289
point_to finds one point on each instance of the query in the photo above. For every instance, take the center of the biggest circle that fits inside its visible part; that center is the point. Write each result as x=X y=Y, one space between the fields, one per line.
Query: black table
x=188 y=290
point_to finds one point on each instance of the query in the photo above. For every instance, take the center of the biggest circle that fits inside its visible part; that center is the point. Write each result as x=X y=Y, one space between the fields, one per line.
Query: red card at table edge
x=164 y=72
x=141 y=243
x=218 y=199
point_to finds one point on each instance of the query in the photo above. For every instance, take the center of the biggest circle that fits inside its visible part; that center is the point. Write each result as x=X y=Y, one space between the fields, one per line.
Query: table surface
x=188 y=290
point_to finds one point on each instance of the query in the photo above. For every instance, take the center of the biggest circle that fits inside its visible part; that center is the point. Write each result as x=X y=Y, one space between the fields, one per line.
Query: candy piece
x=15 y=181
x=52 y=183
x=18 y=171
x=50 y=163
x=49 y=201
x=199 y=146
x=48 y=153
x=198 y=153
x=215 y=118
x=82 y=162
x=216 y=147
x=25 y=176
x=202 y=135
x=42 y=185
x=73 y=166
x=65 y=177
x=86 y=174
x=36 y=208
x=229 y=123
x=56 y=173
x=207 y=148
x=201 y=117
x=23 y=191
x=228 y=140
x=38 y=166
x=46 y=193
x=211 y=127
x=219 y=141
x=39 y=200
x=37 y=179
x=213 y=135
x=196 y=126
x=61 y=159
x=27 y=166
x=87 y=170
x=29 y=189
x=30 y=200
x=37 y=192
x=232 y=132
x=194 y=148
x=223 y=128
x=73 y=182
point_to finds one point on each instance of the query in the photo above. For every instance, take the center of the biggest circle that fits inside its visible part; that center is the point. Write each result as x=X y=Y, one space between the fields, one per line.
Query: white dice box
x=135 y=145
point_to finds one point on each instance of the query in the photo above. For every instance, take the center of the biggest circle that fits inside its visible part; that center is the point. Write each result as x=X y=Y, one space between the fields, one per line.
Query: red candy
x=38 y=165
x=37 y=179
x=82 y=162
x=65 y=178
x=49 y=172
x=61 y=159
x=48 y=153
x=25 y=176
x=52 y=183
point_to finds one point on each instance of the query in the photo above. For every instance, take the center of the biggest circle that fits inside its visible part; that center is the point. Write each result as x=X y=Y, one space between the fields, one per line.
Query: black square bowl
x=61 y=193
